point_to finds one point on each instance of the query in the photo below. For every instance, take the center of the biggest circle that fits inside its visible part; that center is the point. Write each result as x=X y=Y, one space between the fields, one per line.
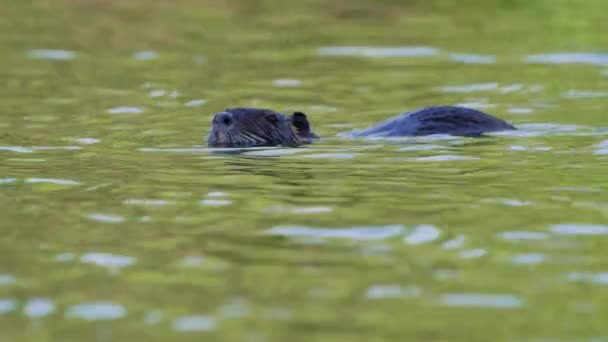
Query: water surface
x=119 y=224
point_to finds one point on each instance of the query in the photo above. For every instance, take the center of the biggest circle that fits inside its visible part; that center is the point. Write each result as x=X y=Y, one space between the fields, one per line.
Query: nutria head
x=243 y=127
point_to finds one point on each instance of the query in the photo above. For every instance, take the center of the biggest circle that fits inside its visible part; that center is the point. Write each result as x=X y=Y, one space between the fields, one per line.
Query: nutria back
x=450 y=120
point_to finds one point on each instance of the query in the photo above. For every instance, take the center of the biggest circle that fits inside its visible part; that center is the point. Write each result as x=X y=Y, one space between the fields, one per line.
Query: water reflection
x=422 y=234
x=354 y=233
x=96 y=311
x=579 y=229
x=112 y=262
x=497 y=301
x=125 y=110
x=392 y=291
x=194 y=323
x=106 y=218
x=50 y=54
x=569 y=58
x=7 y=279
x=472 y=59
x=7 y=305
x=38 y=307
x=378 y=52
x=145 y=55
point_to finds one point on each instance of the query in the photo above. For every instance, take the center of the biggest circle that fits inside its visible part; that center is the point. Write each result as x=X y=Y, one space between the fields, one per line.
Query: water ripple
x=7 y=279
x=381 y=291
x=38 y=307
x=354 y=233
x=51 y=54
x=472 y=58
x=523 y=235
x=528 y=259
x=468 y=88
x=378 y=52
x=579 y=229
x=287 y=83
x=52 y=181
x=7 y=305
x=569 y=58
x=17 y=149
x=194 y=323
x=422 y=234
x=145 y=55
x=195 y=103
x=498 y=301
x=110 y=261
x=96 y=311
x=106 y=218
x=455 y=243
x=125 y=110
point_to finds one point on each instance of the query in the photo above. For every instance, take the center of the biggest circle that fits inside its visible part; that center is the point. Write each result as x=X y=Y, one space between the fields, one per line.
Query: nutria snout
x=242 y=127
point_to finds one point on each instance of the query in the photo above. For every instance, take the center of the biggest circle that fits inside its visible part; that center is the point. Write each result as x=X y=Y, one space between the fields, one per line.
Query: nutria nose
x=223 y=118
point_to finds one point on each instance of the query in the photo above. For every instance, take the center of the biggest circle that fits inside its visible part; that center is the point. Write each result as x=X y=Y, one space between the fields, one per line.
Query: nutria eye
x=272 y=119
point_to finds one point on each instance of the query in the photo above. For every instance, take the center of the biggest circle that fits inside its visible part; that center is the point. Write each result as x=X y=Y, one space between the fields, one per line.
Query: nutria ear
x=300 y=122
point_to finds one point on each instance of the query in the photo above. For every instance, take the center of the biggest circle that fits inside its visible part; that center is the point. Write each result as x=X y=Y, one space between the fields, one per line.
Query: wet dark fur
x=450 y=120
x=255 y=127
x=242 y=127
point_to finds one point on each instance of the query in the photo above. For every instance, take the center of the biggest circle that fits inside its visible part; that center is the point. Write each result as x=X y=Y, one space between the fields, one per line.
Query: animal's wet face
x=243 y=127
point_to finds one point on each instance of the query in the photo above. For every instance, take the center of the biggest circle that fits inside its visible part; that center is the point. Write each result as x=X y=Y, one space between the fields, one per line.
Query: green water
x=119 y=225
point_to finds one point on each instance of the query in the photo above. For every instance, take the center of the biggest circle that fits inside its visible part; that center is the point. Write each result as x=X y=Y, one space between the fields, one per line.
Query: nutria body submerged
x=240 y=127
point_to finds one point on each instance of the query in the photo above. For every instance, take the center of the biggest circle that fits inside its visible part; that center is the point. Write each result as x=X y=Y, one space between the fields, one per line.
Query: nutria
x=243 y=127
x=254 y=127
